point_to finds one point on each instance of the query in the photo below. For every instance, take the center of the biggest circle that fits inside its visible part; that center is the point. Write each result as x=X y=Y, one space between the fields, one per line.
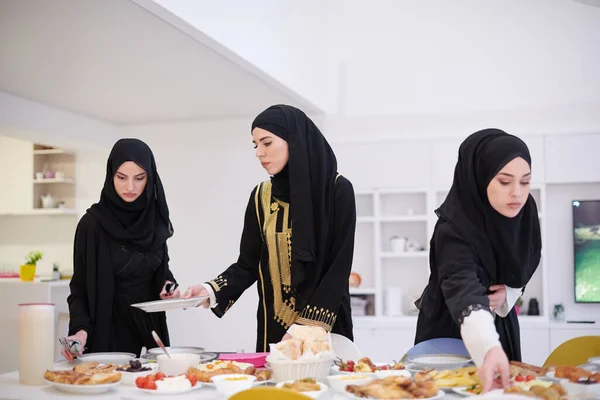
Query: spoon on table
x=160 y=343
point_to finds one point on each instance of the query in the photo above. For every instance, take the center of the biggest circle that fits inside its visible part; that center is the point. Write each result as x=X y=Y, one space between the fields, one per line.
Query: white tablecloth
x=11 y=389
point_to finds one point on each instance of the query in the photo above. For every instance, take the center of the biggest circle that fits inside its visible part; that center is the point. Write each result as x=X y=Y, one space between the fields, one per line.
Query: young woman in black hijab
x=298 y=236
x=485 y=248
x=121 y=258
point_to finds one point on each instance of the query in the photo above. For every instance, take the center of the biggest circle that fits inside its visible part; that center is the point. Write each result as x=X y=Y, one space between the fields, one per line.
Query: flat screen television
x=586 y=249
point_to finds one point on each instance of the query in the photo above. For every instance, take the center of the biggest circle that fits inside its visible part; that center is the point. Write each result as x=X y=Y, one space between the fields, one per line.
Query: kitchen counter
x=11 y=389
x=13 y=292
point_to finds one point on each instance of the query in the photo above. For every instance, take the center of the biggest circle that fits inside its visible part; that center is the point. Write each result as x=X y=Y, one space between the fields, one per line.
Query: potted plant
x=55 y=271
x=559 y=312
x=27 y=270
x=518 y=305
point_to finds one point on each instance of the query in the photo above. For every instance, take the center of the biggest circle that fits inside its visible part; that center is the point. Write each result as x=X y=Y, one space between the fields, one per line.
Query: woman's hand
x=82 y=337
x=494 y=373
x=197 y=291
x=498 y=297
x=164 y=295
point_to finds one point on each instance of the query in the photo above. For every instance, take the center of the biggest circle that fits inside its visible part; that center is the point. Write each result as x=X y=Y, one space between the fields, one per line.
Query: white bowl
x=582 y=388
x=384 y=373
x=439 y=361
x=339 y=382
x=128 y=378
x=594 y=360
x=315 y=394
x=231 y=384
x=293 y=370
x=178 y=364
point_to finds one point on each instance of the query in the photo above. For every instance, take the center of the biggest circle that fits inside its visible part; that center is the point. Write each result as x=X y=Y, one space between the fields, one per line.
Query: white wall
x=285 y=39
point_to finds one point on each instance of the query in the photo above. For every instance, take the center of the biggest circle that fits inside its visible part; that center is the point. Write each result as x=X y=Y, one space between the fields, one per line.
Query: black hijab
x=509 y=248
x=306 y=182
x=144 y=223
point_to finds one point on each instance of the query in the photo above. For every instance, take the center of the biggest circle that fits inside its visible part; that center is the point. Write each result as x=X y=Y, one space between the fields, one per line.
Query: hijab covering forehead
x=144 y=223
x=308 y=181
x=509 y=248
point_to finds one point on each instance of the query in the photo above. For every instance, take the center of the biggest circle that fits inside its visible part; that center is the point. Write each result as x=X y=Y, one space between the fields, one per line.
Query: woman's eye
x=525 y=183
x=503 y=183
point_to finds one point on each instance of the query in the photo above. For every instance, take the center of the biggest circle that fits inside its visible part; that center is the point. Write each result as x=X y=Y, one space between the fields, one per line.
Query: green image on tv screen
x=586 y=249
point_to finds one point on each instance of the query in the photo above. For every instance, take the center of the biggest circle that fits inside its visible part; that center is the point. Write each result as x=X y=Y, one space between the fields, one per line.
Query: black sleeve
x=79 y=315
x=230 y=285
x=168 y=273
x=323 y=307
x=460 y=273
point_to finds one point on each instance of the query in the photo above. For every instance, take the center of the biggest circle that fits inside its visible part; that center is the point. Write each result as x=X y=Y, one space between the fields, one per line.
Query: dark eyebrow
x=512 y=176
x=266 y=137
x=141 y=173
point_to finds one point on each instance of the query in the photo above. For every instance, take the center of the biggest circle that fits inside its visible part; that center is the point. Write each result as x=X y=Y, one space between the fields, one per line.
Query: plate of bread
x=87 y=378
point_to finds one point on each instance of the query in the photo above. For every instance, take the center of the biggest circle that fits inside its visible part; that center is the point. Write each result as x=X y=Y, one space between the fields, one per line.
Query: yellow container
x=27 y=272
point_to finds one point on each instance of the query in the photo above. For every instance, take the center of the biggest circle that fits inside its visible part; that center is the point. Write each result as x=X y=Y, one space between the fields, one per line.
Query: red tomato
x=530 y=378
x=519 y=378
x=192 y=378
x=150 y=384
x=350 y=363
x=160 y=376
x=140 y=382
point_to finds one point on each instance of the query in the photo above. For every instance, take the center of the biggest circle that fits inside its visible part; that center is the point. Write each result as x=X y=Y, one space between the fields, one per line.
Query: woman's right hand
x=82 y=337
x=197 y=291
x=494 y=372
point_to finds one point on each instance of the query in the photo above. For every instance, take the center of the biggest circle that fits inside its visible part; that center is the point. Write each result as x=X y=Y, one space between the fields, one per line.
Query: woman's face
x=508 y=191
x=271 y=150
x=130 y=181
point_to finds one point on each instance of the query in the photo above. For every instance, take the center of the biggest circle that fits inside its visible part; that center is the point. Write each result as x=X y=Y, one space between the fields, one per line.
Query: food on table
x=527 y=382
x=365 y=365
x=520 y=368
x=303 y=385
x=134 y=366
x=305 y=340
x=72 y=377
x=94 y=367
x=553 y=392
x=204 y=372
x=395 y=387
x=577 y=375
x=159 y=381
x=465 y=376
x=475 y=389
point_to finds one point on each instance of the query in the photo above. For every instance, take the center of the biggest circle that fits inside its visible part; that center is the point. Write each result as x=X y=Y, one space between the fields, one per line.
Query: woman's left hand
x=164 y=295
x=498 y=297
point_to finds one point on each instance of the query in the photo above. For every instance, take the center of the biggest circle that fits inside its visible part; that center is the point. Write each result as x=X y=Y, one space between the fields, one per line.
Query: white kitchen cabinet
x=572 y=158
x=384 y=344
x=16 y=175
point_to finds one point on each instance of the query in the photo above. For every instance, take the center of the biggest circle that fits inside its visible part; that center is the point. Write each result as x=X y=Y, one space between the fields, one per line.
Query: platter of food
x=87 y=378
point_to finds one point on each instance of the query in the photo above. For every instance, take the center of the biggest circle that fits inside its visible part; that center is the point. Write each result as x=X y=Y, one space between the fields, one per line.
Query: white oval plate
x=83 y=389
x=173 y=391
x=439 y=395
x=439 y=361
x=255 y=383
x=168 y=304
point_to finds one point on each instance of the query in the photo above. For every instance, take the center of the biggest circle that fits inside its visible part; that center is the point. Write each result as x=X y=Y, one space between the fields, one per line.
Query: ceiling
x=116 y=61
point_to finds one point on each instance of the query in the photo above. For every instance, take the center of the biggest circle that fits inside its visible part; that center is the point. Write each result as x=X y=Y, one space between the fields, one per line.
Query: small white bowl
x=339 y=382
x=128 y=378
x=230 y=384
x=384 y=373
x=178 y=364
x=314 y=395
x=582 y=388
